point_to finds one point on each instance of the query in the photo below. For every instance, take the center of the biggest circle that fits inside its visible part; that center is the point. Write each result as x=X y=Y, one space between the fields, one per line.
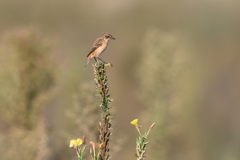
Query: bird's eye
x=107 y=36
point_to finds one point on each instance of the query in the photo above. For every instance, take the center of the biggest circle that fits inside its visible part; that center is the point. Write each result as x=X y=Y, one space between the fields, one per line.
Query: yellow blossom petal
x=79 y=142
x=75 y=143
x=134 y=122
x=72 y=143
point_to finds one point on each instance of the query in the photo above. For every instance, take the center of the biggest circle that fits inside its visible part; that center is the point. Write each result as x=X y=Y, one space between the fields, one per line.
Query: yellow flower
x=134 y=122
x=75 y=143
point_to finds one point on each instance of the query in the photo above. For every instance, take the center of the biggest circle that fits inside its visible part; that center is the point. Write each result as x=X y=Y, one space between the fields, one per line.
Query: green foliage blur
x=176 y=63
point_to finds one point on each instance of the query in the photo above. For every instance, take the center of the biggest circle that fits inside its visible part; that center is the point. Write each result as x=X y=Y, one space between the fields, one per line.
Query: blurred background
x=176 y=63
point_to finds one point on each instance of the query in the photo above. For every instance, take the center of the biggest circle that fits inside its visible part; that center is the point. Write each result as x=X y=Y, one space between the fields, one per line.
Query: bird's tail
x=87 y=63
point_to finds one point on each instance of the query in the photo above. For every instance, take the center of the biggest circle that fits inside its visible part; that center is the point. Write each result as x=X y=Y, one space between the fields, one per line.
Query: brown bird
x=98 y=47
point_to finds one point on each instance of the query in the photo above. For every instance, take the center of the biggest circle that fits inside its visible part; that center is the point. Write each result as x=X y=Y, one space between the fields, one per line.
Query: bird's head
x=108 y=36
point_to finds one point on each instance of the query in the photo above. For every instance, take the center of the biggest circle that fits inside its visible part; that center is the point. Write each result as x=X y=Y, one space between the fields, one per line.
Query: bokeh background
x=176 y=63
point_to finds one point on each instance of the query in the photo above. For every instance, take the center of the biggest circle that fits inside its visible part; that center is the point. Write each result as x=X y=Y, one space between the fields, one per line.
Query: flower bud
x=93 y=144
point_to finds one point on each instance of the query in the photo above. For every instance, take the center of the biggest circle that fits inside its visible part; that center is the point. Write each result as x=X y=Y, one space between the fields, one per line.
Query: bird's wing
x=96 y=44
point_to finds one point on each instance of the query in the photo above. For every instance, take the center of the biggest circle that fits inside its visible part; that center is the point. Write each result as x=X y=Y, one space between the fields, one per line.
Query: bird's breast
x=101 y=49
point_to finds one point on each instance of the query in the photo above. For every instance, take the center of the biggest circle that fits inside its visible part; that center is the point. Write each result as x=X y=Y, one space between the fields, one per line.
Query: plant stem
x=105 y=125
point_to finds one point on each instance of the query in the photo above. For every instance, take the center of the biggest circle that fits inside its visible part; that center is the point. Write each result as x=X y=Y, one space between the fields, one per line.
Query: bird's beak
x=113 y=38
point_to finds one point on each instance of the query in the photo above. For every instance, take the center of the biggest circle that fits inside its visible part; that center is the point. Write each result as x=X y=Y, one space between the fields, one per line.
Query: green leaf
x=147 y=142
x=99 y=91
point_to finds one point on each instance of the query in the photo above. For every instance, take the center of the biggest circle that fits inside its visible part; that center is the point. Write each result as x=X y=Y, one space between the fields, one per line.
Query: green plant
x=105 y=125
x=28 y=84
x=141 y=140
x=77 y=145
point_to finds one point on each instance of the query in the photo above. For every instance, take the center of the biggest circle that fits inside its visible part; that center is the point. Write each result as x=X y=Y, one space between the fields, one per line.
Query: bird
x=98 y=47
